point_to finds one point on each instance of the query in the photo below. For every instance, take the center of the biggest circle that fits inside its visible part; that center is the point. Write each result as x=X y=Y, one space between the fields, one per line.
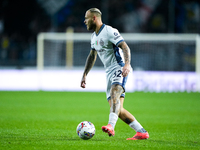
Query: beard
x=91 y=26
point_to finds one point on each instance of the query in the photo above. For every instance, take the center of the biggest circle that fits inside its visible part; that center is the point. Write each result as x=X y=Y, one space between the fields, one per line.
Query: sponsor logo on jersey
x=101 y=50
x=116 y=37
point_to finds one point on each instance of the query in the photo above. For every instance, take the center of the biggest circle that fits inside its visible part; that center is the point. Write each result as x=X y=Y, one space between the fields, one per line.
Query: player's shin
x=114 y=112
x=113 y=119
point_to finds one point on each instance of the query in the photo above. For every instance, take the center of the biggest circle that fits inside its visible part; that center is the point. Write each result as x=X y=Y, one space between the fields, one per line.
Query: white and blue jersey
x=106 y=44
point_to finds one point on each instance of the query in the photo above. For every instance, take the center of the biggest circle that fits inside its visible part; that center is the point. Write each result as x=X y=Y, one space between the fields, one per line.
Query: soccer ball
x=85 y=130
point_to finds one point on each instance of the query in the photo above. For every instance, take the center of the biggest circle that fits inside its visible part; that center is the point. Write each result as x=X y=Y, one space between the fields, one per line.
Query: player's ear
x=94 y=18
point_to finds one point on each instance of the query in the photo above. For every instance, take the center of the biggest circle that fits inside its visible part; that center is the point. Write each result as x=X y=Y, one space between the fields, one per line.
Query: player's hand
x=126 y=69
x=83 y=82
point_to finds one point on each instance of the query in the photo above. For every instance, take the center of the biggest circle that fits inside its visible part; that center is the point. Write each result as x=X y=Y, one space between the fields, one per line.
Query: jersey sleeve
x=114 y=36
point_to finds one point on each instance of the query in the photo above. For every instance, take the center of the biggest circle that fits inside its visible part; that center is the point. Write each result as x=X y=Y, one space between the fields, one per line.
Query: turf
x=48 y=120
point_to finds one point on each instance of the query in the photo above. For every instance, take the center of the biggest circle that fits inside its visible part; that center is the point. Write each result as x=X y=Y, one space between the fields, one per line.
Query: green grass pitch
x=48 y=121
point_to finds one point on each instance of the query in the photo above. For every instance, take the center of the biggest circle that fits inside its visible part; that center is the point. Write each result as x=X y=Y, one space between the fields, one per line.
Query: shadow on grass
x=45 y=138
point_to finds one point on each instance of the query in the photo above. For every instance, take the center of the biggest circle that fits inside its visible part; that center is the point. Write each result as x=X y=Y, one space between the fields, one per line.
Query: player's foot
x=139 y=136
x=108 y=129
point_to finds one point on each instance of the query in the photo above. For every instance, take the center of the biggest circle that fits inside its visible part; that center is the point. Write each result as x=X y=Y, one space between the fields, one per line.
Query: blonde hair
x=95 y=11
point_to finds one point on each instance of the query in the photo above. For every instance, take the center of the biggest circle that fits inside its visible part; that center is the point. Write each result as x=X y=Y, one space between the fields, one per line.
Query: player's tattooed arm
x=127 y=58
x=90 y=61
x=88 y=65
x=126 y=51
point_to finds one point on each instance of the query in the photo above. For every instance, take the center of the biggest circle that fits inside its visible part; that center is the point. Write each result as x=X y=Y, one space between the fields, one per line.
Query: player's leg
x=125 y=115
x=115 y=93
x=129 y=119
x=115 y=106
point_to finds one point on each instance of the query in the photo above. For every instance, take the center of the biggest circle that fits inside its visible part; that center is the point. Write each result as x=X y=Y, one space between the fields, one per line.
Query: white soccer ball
x=85 y=130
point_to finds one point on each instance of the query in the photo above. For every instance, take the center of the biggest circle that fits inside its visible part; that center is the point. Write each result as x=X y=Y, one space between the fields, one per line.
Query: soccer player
x=115 y=56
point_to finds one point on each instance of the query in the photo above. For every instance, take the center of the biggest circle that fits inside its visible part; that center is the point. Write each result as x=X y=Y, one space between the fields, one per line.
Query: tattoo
x=90 y=61
x=115 y=94
x=127 y=121
x=116 y=106
x=126 y=52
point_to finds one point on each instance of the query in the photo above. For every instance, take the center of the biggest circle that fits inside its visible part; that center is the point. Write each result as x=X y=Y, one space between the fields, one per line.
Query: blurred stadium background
x=22 y=21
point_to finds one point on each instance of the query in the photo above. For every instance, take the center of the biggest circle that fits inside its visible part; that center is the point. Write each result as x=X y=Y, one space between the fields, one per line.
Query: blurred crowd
x=22 y=20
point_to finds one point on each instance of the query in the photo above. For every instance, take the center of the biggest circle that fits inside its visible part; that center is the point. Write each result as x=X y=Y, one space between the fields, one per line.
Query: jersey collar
x=100 y=29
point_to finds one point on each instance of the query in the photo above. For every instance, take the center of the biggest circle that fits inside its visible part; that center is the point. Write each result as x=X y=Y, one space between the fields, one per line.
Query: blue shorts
x=115 y=77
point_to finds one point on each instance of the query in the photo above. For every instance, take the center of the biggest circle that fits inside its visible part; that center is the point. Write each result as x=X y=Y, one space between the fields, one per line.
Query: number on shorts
x=117 y=73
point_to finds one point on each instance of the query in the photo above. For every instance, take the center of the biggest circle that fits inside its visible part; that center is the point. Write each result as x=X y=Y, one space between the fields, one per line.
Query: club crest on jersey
x=97 y=42
x=101 y=42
